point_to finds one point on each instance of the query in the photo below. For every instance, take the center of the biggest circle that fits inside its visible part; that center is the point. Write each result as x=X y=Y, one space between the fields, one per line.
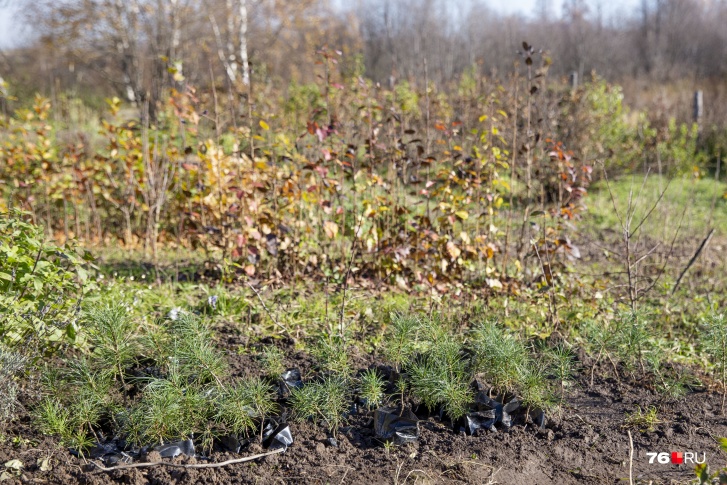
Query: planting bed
x=583 y=442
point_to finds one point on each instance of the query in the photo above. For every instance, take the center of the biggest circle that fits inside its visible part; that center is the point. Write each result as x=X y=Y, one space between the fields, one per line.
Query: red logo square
x=677 y=457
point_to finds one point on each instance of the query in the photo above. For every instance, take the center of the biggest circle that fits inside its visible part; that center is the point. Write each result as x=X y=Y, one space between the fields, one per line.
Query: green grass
x=696 y=196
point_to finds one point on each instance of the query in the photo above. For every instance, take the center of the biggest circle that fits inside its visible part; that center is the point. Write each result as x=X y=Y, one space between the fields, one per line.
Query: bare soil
x=584 y=443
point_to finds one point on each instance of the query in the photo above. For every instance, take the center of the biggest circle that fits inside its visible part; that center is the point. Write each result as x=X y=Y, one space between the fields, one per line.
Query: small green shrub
x=41 y=287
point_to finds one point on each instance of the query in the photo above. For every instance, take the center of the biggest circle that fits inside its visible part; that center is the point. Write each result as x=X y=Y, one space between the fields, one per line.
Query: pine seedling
x=331 y=354
x=632 y=340
x=535 y=390
x=499 y=356
x=441 y=377
x=601 y=341
x=154 y=343
x=371 y=388
x=87 y=382
x=561 y=364
x=715 y=343
x=245 y=405
x=272 y=361
x=195 y=351
x=113 y=335
x=51 y=417
x=325 y=401
x=169 y=409
x=402 y=342
x=201 y=362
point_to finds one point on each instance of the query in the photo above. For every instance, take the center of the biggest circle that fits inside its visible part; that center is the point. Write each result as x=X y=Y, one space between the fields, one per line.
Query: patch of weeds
x=325 y=401
x=272 y=361
x=642 y=420
x=331 y=354
x=371 y=388
x=244 y=406
x=221 y=303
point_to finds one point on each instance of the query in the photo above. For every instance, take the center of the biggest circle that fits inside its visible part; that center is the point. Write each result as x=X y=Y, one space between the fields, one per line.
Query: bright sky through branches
x=13 y=31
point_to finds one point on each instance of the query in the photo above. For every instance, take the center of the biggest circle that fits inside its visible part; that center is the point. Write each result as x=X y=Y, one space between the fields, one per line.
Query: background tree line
x=134 y=48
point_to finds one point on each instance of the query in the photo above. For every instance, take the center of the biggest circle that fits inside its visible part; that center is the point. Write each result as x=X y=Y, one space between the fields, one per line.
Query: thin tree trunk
x=243 y=43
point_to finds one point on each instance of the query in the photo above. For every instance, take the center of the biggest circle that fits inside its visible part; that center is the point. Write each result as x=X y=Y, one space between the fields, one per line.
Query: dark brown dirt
x=585 y=443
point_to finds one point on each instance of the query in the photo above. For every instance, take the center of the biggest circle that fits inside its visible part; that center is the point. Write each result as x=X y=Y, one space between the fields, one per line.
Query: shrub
x=41 y=286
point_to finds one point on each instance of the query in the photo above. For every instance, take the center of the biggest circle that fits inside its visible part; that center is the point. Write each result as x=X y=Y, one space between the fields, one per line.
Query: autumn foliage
x=421 y=188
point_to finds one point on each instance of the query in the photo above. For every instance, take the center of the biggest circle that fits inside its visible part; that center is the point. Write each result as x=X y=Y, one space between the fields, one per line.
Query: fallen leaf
x=453 y=250
x=331 y=229
x=44 y=464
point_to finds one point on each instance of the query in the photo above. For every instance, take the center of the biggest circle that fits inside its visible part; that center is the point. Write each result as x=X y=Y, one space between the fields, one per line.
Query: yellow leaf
x=462 y=215
x=264 y=125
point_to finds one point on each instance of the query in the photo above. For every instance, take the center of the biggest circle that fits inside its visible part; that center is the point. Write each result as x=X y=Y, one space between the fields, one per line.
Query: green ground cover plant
x=42 y=286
